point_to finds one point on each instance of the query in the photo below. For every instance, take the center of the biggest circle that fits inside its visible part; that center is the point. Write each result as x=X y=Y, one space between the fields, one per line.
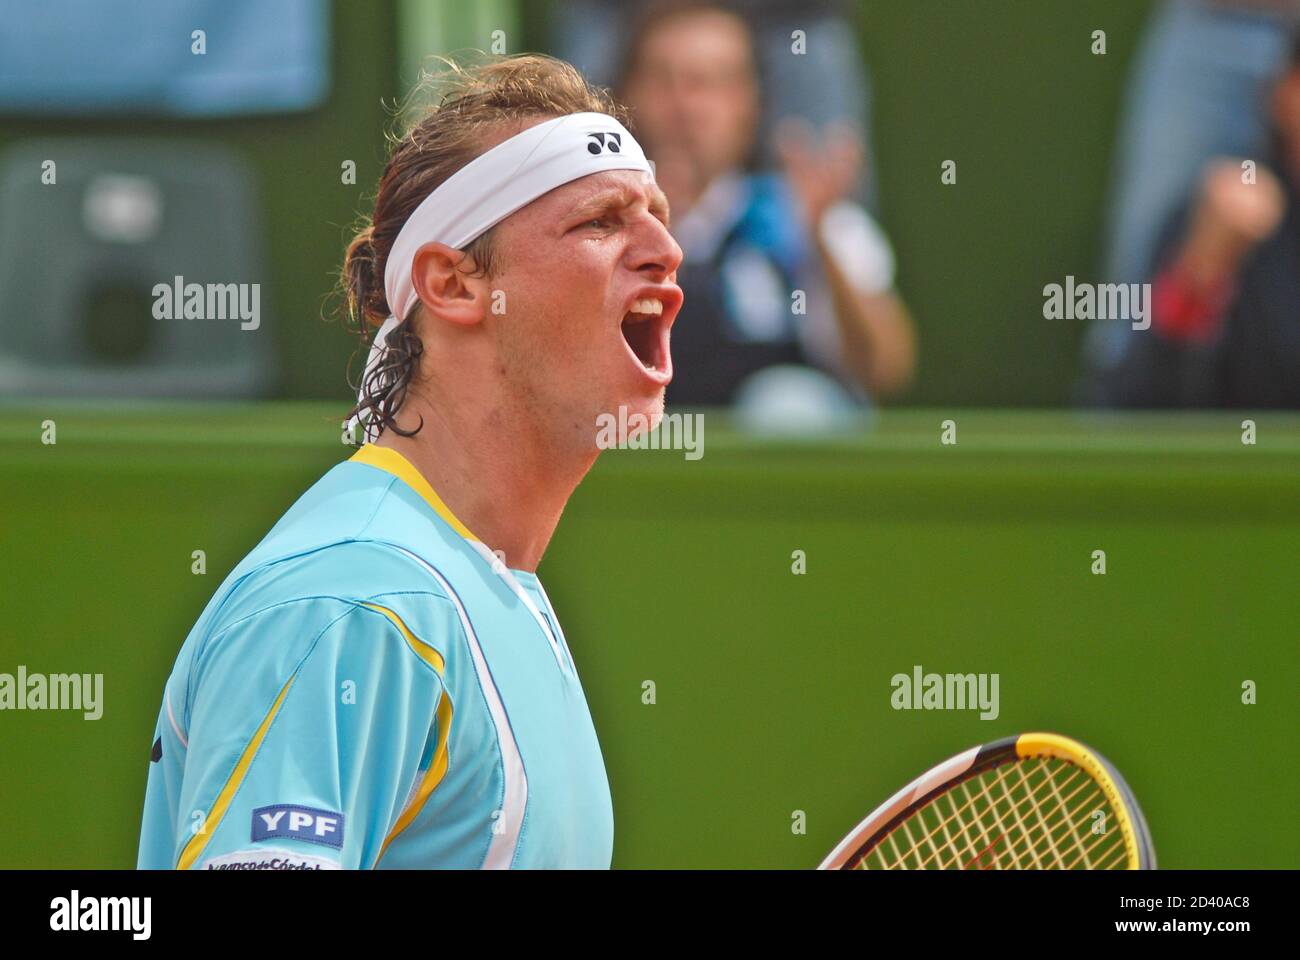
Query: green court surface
x=772 y=690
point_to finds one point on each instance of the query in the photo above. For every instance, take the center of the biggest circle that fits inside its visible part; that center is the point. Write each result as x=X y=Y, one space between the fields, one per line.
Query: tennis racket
x=1038 y=801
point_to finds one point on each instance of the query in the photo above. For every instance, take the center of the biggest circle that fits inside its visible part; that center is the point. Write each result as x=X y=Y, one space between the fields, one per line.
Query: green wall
x=772 y=689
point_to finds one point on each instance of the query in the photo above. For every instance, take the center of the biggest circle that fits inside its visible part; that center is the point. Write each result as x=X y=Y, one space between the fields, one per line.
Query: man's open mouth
x=646 y=333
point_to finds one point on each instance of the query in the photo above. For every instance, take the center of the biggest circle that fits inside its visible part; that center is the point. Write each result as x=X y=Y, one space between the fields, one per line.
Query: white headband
x=490 y=188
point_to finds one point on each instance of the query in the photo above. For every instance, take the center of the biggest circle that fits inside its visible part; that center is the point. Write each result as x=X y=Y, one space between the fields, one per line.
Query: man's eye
x=597 y=223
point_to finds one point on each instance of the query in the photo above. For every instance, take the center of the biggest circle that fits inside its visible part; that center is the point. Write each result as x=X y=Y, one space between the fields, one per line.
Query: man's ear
x=442 y=277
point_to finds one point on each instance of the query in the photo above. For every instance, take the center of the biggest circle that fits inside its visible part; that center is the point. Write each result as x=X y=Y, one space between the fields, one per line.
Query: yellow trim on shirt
x=426 y=652
x=390 y=461
x=438 y=765
x=213 y=819
x=432 y=777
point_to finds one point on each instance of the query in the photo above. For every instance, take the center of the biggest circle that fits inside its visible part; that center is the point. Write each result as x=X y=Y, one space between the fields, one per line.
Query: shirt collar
x=390 y=461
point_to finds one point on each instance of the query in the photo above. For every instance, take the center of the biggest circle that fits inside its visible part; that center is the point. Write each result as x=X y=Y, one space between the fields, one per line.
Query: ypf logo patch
x=605 y=143
x=288 y=822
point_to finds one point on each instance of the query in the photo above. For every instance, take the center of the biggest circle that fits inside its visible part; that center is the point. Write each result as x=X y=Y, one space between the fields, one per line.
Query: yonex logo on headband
x=604 y=141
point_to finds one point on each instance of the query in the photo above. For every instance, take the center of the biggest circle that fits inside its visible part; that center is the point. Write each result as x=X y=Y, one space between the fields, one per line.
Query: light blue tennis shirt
x=370 y=687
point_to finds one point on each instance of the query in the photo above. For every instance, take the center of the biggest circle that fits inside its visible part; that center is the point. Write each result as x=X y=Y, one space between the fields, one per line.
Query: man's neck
x=497 y=473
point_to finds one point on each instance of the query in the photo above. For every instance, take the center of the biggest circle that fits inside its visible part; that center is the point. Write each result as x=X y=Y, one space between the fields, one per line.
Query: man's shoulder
x=347 y=537
x=355 y=504
x=358 y=597
x=339 y=507
x=341 y=559
x=328 y=578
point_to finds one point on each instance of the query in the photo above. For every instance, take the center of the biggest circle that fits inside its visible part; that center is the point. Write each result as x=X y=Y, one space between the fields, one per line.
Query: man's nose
x=658 y=254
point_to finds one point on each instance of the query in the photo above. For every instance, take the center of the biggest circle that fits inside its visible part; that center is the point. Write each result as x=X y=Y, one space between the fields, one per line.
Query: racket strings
x=1070 y=828
x=1022 y=826
x=959 y=814
x=1001 y=818
x=1037 y=813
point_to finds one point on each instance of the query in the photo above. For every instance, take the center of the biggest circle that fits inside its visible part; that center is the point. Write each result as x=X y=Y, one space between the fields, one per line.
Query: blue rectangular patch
x=286 y=821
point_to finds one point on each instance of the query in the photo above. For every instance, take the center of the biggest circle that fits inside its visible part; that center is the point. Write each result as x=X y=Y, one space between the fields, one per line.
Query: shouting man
x=383 y=681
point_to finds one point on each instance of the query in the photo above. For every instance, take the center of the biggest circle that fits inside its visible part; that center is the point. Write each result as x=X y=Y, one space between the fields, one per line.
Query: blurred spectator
x=1198 y=90
x=827 y=85
x=779 y=270
x=1225 y=324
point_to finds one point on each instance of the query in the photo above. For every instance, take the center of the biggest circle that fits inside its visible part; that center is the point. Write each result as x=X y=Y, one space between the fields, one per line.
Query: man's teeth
x=655 y=307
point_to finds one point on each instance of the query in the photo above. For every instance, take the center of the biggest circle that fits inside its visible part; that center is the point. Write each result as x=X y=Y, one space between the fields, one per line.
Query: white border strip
x=502 y=571
x=501 y=850
x=167 y=695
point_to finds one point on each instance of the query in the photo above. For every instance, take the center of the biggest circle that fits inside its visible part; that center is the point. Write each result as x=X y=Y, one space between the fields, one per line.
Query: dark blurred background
x=1009 y=90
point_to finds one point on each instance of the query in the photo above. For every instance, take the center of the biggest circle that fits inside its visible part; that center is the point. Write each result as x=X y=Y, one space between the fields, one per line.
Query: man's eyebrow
x=606 y=199
x=614 y=197
x=659 y=205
